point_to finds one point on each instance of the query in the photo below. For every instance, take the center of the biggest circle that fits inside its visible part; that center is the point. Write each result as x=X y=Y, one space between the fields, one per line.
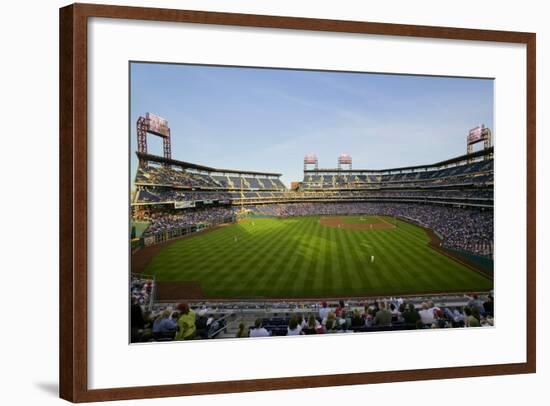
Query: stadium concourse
x=175 y=199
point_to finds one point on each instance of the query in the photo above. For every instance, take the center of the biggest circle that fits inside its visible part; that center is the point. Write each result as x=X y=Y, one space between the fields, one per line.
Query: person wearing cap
x=186 y=323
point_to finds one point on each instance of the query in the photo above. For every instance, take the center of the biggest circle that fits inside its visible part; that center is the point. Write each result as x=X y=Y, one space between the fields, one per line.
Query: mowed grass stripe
x=284 y=261
x=247 y=267
x=302 y=273
x=422 y=271
x=226 y=257
x=369 y=280
x=287 y=261
x=182 y=260
x=270 y=257
x=319 y=270
x=402 y=256
x=252 y=265
x=381 y=259
x=299 y=257
x=215 y=249
x=329 y=261
x=306 y=263
x=334 y=276
x=350 y=279
x=408 y=254
x=216 y=265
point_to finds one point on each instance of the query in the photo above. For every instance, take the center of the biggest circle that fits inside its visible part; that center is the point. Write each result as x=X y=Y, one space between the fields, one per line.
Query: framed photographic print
x=241 y=190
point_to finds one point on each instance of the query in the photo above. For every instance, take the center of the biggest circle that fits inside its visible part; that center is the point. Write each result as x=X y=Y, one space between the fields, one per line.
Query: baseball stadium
x=225 y=252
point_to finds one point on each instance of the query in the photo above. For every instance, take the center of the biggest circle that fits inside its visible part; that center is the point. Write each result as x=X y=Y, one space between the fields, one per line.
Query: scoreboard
x=157 y=125
x=476 y=134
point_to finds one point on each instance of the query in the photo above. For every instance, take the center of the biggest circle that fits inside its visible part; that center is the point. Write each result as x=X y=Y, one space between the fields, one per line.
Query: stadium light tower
x=344 y=160
x=478 y=134
x=311 y=159
x=156 y=125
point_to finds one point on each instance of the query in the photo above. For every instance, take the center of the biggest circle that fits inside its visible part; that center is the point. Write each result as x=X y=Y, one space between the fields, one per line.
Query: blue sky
x=268 y=119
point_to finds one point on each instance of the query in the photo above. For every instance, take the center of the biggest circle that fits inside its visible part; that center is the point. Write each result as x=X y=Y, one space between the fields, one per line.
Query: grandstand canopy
x=183 y=164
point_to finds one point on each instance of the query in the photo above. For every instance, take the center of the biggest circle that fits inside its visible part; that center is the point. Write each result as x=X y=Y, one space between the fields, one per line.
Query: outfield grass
x=298 y=257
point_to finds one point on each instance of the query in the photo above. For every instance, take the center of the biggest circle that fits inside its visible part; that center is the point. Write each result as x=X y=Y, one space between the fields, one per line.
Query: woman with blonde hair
x=243 y=331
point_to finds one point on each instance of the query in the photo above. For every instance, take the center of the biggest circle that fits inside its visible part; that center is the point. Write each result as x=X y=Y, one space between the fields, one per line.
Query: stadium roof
x=183 y=164
x=460 y=158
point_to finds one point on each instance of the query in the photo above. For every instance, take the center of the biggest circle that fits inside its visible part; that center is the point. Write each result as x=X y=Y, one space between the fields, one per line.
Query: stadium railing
x=175 y=233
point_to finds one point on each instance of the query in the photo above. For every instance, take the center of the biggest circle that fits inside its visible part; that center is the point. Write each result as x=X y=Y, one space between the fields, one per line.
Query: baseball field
x=336 y=256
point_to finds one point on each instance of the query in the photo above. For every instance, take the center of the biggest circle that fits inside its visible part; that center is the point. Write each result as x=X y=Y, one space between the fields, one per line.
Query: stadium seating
x=218 y=320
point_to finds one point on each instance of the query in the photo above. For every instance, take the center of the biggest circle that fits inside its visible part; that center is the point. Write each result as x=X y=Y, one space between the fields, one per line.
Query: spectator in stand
x=396 y=314
x=440 y=319
x=312 y=325
x=138 y=323
x=301 y=321
x=164 y=324
x=258 y=330
x=426 y=315
x=383 y=316
x=487 y=321
x=356 y=320
x=340 y=309
x=457 y=318
x=201 y=324
x=243 y=331
x=410 y=315
x=476 y=313
x=432 y=306
x=370 y=312
x=330 y=325
x=186 y=323
x=324 y=311
x=471 y=320
x=489 y=306
x=293 y=328
x=476 y=302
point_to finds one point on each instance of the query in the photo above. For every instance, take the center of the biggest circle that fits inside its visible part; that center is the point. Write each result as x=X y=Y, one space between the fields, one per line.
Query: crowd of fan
x=477 y=172
x=163 y=221
x=460 y=228
x=161 y=175
x=429 y=193
x=470 y=230
x=152 y=194
x=141 y=290
x=458 y=181
x=185 y=323
x=179 y=323
x=169 y=176
x=164 y=194
x=385 y=315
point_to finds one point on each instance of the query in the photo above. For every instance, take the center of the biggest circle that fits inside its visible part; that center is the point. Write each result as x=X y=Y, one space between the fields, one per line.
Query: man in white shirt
x=324 y=311
x=258 y=330
x=426 y=314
